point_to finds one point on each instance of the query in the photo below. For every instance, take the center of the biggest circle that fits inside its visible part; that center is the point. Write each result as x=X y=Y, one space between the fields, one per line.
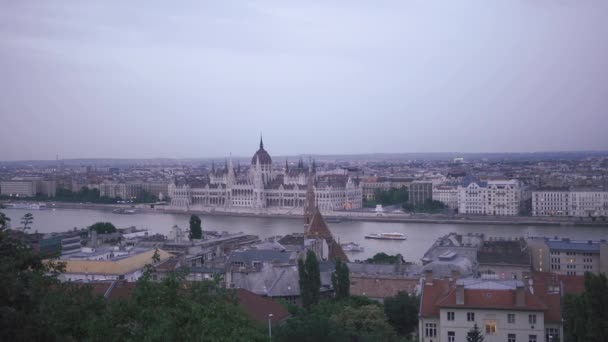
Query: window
x=532 y=319
x=532 y=338
x=450 y=316
x=451 y=336
x=511 y=338
x=511 y=318
x=490 y=327
x=430 y=330
x=470 y=316
x=552 y=334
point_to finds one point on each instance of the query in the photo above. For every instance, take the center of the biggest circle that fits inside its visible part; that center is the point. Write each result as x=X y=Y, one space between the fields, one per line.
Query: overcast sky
x=179 y=79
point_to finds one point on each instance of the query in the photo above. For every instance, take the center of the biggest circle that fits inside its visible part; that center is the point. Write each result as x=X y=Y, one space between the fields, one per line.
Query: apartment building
x=569 y=257
x=578 y=202
x=494 y=197
x=419 y=192
x=551 y=202
x=447 y=195
x=504 y=310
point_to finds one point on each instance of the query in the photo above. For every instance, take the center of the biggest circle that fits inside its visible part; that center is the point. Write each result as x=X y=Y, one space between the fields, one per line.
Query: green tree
x=475 y=335
x=310 y=279
x=196 y=231
x=366 y=323
x=26 y=220
x=402 y=312
x=586 y=315
x=4 y=220
x=383 y=258
x=340 y=279
x=103 y=228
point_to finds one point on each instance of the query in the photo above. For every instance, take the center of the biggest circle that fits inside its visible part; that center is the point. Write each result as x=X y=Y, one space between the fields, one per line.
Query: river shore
x=369 y=216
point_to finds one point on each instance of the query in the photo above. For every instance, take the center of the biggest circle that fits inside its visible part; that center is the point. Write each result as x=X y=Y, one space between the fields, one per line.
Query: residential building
x=551 y=202
x=569 y=257
x=504 y=259
x=499 y=197
x=18 y=188
x=447 y=195
x=504 y=310
x=420 y=192
x=588 y=202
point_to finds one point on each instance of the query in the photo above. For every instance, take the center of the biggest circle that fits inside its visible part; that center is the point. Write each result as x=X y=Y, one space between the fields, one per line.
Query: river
x=420 y=236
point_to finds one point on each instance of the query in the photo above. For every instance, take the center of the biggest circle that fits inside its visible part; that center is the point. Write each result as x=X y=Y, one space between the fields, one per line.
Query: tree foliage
x=383 y=258
x=196 y=231
x=586 y=315
x=103 y=228
x=475 y=335
x=402 y=312
x=429 y=206
x=310 y=279
x=35 y=306
x=389 y=197
x=26 y=220
x=365 y=323
x=340 y=280
x=4 y=220
x=83 y=195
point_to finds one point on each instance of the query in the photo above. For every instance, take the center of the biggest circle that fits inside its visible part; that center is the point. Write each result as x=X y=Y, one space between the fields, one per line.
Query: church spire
x=286 y=166
x=261 y=142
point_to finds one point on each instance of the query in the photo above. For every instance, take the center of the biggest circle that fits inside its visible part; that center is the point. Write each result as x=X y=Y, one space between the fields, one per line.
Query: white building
x=447 y=195
x=18 y=188
x=504 y=310
x=573 y=202
x=494 y=197
x=263 y=187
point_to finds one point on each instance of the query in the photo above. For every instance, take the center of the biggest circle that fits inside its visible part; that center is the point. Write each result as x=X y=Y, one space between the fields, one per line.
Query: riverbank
x=342 y=215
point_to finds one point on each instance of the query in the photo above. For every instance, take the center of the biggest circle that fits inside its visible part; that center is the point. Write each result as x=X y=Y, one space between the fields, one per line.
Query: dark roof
x=504 y=252
x=248 y=256
x=318 y=229
x=263 y=156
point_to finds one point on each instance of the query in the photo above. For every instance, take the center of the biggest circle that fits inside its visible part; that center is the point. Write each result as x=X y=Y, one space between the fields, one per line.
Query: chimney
x=520 y=295
x=460 y=293
x=428 y=277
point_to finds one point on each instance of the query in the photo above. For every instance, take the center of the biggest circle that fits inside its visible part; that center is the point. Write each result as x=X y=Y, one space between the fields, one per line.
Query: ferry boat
x=123 y=211
x=333 y=220
x=352 y=247
x=386 y=236
x=28 y=206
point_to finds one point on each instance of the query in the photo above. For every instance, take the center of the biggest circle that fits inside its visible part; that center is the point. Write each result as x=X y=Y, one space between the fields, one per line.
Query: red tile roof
x=381 y=287
x=258 y=307
x=491 y=299
x=431 y=294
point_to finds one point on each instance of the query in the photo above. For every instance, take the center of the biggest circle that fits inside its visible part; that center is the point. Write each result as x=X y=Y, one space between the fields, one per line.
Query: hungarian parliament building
x=261 y=186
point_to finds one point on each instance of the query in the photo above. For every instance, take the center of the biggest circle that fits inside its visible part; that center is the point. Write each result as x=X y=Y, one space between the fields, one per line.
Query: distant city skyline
x=136 y=79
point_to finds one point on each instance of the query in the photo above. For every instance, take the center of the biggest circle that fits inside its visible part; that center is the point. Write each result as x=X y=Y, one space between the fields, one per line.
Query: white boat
x=352 y=247
x=386 y=236
x=28 y=206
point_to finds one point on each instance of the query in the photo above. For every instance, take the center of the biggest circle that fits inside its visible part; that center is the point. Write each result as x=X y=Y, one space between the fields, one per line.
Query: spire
x=311 y=205
x=286 y=166
x=213 y=166
x=261 y=142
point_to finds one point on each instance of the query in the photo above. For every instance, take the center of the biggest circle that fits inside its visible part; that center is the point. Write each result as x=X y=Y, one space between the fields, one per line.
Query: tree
x=196 y=232
x=475 y=335
x=586 y=315
x=26 y=220
x=340 y=279
x=310 y=279
x=4 y=220
x=383 y=258
x=103 y=228
x=366 y=323
x=402 y=312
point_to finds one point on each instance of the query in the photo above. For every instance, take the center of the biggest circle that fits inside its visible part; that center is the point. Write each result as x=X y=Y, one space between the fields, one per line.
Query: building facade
x=569 y=257
x=551 y=202
x=18 y=188
x=570 y=202
x=494 y=197
x=264 y=187
x=420 y=192
x=447 y=195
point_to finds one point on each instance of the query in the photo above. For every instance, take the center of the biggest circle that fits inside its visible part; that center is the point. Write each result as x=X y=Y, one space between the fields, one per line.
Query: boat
x=352 y=247
x=333 y=220
x=29 y=206
x=123 y=211
x=386 y=236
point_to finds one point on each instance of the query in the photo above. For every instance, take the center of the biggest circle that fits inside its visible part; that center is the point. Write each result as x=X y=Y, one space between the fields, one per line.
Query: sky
x=190 y=79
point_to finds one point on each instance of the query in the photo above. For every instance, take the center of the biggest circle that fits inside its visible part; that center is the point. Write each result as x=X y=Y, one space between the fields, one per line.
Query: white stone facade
x=494 y=197
x=575 y=202
x=447 y=195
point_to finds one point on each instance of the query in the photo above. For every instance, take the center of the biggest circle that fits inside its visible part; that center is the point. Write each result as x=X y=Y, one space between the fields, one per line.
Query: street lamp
x=269 y=327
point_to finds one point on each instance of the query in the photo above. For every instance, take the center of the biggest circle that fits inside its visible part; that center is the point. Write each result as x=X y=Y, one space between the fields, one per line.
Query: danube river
x=420 y=236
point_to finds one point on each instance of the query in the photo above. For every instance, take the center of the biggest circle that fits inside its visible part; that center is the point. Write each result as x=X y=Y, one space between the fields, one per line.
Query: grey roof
x=250 y=255
x=469 y=179
x=574 y=246
x=378 y=269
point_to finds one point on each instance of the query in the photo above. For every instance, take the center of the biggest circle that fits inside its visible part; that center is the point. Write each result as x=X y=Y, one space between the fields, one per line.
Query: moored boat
x=386 y=236
x=352 y=247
